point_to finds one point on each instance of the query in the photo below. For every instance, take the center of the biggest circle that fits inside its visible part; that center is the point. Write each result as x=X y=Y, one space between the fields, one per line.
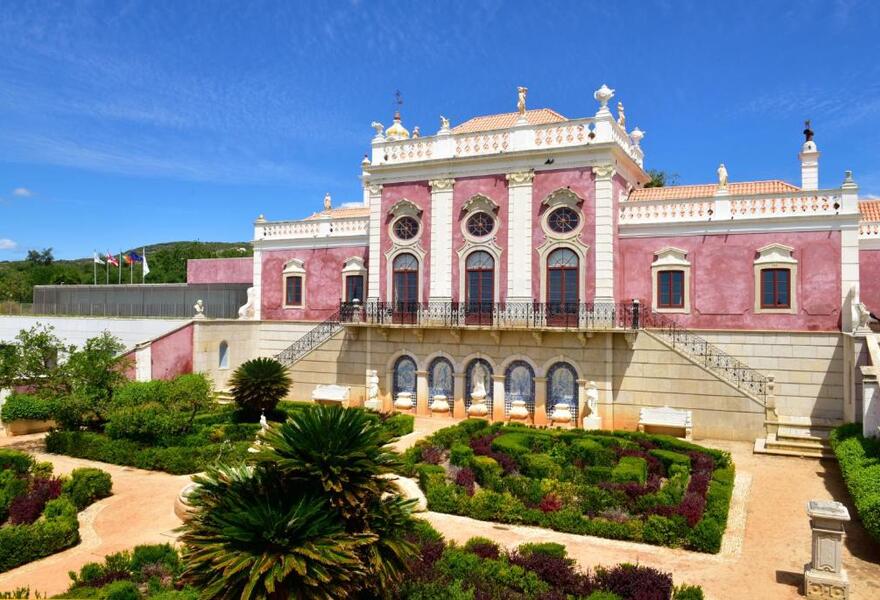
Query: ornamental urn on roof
x=603 y=95
x=397 y=131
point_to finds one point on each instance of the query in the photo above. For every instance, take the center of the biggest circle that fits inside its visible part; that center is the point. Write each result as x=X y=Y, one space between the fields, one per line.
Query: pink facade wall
x=323 y=285
x=582 y=183
x=494 y=188
x=722 y=279
x=220 y=270
x=869 y=279
x=172 y=354
x=419 y=193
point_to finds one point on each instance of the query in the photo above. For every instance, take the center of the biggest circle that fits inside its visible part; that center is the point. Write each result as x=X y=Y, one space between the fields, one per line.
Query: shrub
x=487 y=505
x=258 y=385
x=688 y=592
x=121 y=590
x=859 y=460
x=602 y=595
x=661 y=531
x=669 y=458
x=594 y=499
x=706 y=536
x=550 y=503
x=399 y=424
x=466 y=479
x=630 y=468
x=86 y=485
x=26 y=406
x=432 y=455
x=540 y=466
x=597 y=474
x=20 y=544
x=635 y=582
x=483 y=547
x=11 y=487
x=487 y=470
x=26 y=508
x=460 y=454
x=515 y=445
x=16 y=461
x=592 y=452
x=139 y=393
x=145 y=423
x=546 y=548
x=428 y=474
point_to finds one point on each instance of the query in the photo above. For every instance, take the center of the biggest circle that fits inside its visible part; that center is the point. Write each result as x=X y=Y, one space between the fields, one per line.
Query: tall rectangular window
x=670 y=289
x=775 y=288
x=293 y=290
x=354 y=288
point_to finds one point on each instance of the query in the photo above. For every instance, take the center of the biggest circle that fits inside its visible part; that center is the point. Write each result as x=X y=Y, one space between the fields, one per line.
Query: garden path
x=140 y=511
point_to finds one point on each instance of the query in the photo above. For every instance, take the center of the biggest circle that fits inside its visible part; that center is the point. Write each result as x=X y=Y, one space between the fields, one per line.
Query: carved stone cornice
x=520 y=178
x=441 y=185
x=603 y=171
x=374 y=189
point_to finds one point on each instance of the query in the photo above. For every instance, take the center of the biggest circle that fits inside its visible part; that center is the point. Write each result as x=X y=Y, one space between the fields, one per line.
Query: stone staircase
x=313 y=338
x=805 y=437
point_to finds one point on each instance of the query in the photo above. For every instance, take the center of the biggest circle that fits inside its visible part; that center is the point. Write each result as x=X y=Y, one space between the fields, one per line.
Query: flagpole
x=107 y=272
x=119 y=270
x=94 y=269
x=144 y=259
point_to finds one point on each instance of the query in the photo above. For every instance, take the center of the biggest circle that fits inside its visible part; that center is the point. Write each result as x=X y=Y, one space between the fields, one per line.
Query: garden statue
x=264 y=424
x=592 y=420
x=478 y=406
x=722 y=176
x=372 y=402
x=246 y=312
x=264 y=427
x=199 y=307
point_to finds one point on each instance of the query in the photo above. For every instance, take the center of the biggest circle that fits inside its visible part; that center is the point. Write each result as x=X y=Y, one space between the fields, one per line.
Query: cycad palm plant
x=258 y=385
x=312 y=517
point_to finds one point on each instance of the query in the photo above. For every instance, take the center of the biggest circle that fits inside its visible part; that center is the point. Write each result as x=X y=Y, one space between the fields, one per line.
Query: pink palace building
x=515 y=266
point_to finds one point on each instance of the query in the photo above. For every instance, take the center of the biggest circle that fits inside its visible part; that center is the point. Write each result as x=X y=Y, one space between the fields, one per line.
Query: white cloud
x=351 y=205
x=22 y=192
x=7 y=244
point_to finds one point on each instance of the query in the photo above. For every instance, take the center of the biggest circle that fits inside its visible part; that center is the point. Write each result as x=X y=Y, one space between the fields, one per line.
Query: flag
x=97 y=259
x=146 y=266
x=134 y=257
x=127 y=259
x=112 y=260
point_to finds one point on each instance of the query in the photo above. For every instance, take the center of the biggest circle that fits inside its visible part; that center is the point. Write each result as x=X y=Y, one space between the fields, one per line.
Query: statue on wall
x=722 y=176
x=521 y=101
x=247 y=311
x=592 y=420
x=199 y=307
x=372 y=402
x=621 y=116
x=328 y=201
x=444 y=123
x=378 y=127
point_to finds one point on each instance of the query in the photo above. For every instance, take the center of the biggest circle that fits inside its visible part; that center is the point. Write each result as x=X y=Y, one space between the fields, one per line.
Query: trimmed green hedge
x=25 y=406
x=859 y=460
x=57 y=530
x=398 y=424
x=86 y=485
x=630 y=468
x=177 y=460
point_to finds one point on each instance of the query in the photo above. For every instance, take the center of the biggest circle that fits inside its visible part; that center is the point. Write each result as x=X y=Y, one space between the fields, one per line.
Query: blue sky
x=129 y=123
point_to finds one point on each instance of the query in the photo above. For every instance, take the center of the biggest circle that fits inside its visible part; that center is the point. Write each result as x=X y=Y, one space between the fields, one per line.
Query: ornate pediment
x=479 y=202
x=404 y=207
x=775 y=253
x=562 y=197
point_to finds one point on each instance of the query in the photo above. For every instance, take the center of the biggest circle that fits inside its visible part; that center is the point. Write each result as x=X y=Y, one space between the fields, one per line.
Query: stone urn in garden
x=440 y=404
x=478 y=407
x=518 y=410
x=561 y=413
x=404 y=401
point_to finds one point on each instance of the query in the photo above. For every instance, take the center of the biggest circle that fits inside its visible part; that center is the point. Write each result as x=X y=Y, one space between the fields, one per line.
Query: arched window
x=479 y=287
x=562 y=387
x=562 y=287
x=519 y=384
x=404 y=376
x=440 y=377
x=405 y=289
x=223 y=355
x=478 y=371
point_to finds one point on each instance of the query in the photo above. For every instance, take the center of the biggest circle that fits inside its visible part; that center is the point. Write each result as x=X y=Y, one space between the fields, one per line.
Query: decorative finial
x=416 y=132
x=722 y=176
x=378 y=127
x=621 y=116
x=521 y=100
x=808 y=133
x=637 y=136
x=366 y=161
x=603 y=95
x=261 y=218
x=328 y=202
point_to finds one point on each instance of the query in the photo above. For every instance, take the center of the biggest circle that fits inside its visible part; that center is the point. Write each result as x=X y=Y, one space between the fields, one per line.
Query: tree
x=661 y=178
x=258 y=385
x=44 y=258
x=310 y=517
x=33 y=359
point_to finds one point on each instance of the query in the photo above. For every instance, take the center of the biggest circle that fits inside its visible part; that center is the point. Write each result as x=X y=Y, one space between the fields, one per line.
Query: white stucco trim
x=576 y=246
x=557 y=199
x=605 y=232
x=441 y=240
x=519 y=236
x=671 y=259
x=354 y=265
x=490 y=246
x=395 y=250
x=776 y=256
x=293 y=268
x=374 y=193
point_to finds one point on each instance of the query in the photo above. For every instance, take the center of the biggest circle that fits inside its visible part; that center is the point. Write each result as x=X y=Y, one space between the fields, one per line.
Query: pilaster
x=457 y=400
x=423 y=402
x=540 y=416
x=375 y=201
x=519 y=236
x=440 y=289
x=604 y=233
x=498 y=398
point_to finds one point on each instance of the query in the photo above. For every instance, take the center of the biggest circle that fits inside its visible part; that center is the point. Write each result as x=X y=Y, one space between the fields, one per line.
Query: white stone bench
x=331 y=394
x=667 y=418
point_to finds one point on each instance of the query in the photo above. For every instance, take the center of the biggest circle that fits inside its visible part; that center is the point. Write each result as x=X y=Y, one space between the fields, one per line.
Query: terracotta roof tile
x=342 y=213
x=537 y=116
x=870 y=210
x=685 y=192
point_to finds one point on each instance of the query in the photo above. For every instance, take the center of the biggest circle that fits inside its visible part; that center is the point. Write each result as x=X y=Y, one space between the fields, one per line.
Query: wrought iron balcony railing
x=529 y=315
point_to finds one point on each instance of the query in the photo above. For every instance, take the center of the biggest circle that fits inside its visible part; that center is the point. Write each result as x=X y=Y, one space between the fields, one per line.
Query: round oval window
x=406 y=228
x=563 y=220
x=480 y=224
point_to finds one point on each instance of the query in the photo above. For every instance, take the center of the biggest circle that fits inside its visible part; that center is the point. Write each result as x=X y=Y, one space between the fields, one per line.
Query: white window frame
x=777 y=256
x=352 y=267
x=671 y=259
x=293 y=268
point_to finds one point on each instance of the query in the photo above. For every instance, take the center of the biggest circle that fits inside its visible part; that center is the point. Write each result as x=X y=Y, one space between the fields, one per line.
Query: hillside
x=167 y=265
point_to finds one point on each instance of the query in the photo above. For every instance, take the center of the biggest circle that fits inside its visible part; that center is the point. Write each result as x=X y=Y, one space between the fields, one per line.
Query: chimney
x=809 y=158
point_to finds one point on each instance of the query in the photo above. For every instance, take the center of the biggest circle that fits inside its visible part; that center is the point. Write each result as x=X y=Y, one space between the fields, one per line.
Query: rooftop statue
x=444 y=123
x=378 y=127
x=521 y=102
x=328 y=201
x=722 y=176
x=621 y=116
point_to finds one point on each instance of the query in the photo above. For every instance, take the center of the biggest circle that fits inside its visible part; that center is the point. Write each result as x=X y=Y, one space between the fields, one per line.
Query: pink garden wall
x=419 y=193
x=220 y=270
x=323 y=285
x=172 y=354
x=869 y=279
x=722 y=279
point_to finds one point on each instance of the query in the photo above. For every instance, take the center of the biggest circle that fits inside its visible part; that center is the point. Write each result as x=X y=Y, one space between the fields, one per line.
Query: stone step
x=774 y=441
x=821 y=423
x=762 y=447
x=803 y=433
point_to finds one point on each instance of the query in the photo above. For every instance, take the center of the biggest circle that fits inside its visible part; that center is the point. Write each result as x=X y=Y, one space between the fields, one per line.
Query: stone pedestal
x=440 y=404
x=824 y=576
x=518 y=410
x=561 y=414
x=404 y=401
x=593 y=422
